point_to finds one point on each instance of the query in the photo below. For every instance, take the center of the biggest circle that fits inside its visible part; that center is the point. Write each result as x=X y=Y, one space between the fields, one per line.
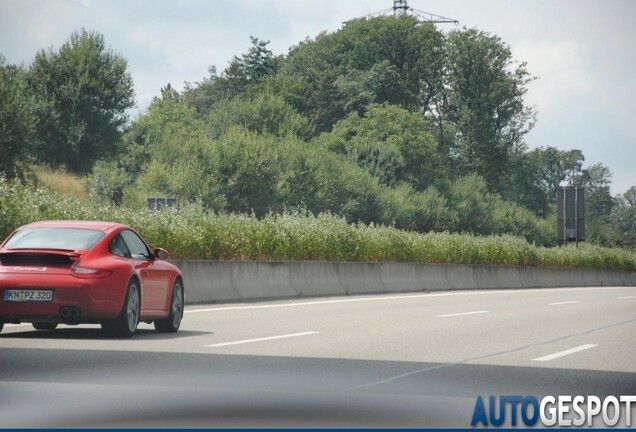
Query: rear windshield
x=54 y=238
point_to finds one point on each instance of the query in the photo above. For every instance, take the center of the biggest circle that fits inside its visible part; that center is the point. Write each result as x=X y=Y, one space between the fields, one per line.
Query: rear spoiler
x=45 y=256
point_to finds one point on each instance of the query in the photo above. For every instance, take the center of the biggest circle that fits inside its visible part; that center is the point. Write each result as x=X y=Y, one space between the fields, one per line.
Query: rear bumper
x=74 y=300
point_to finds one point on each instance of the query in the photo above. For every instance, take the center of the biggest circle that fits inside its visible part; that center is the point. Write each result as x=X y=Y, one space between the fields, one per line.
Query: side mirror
x=161 y=253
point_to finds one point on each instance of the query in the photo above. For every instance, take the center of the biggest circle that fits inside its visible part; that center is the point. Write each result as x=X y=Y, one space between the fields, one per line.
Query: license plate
x=28 y=295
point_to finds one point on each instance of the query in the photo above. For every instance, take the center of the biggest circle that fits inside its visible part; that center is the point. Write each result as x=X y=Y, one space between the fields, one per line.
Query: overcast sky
x=582 y=51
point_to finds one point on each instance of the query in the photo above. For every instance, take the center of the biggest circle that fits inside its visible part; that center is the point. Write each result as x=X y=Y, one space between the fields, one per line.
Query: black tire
x=125 y=325
x=172 y=323
x=1 y=325
x=44 y=326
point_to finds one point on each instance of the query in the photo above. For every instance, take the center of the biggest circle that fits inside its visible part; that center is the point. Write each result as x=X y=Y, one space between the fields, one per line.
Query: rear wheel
x=172 y=323
x=125 y=325
x=44 y=326
x=1 y=325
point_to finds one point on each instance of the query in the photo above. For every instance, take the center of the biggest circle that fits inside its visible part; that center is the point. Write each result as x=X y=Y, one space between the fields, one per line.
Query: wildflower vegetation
x=192 y=232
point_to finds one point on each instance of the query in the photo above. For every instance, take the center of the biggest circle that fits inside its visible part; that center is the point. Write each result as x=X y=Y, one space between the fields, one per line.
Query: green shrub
x=107 y=182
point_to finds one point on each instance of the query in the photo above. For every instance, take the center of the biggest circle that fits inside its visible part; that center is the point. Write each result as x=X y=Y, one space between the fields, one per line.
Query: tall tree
x=411 y=49
x=624 y=218
x=166 y=148
x=249 y=69
x=83 y=91
x=16 y=119
x=159 y=132
x=599 y=204
x=597 y=180
x=484 y=99
x=379 y=60
x=557 y=166
x=307 y=81
x=537 y=174
x=525 y=185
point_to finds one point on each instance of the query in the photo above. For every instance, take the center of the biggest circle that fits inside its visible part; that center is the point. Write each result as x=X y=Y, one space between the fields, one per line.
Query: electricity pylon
x=401 y=8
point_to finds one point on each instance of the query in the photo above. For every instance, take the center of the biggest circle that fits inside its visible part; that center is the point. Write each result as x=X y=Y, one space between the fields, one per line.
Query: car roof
x=94 y=225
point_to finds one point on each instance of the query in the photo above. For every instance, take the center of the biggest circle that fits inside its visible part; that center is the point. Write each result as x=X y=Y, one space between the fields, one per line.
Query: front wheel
x=172 y=323
x=125 y=325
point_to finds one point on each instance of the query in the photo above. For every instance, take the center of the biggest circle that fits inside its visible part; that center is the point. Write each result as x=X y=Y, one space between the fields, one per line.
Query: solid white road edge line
x=564 y=303
x=565 y=353
x=391 y=297
x=626 y=297
x=262 y=339
x=461 y=314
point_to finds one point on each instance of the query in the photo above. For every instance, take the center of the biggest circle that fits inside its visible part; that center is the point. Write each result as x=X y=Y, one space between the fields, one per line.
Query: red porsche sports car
x=74 y=272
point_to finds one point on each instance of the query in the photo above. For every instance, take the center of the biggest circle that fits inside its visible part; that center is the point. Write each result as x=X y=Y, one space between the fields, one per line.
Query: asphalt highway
x=408 y=360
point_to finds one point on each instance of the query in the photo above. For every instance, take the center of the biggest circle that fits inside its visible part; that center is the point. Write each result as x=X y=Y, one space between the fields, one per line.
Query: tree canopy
x=82 y=92
x=16 y=119
x=384 y=121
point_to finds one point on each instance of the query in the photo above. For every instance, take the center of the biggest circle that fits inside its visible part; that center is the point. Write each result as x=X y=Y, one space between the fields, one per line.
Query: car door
x=154 y=281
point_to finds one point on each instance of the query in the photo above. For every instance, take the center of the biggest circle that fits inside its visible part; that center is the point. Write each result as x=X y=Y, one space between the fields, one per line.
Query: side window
x=138 y=249
x=118 y=247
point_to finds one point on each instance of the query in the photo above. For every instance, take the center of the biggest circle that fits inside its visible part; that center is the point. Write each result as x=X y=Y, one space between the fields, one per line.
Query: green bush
x=473 y=204
x=263 y=114
x=107 y=182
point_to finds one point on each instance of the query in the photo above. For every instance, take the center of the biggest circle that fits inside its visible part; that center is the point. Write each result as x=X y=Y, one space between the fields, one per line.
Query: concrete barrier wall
x=226 y=281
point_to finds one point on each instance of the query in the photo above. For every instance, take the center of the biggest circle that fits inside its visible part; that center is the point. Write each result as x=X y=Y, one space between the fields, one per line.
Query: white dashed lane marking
x=565 y=353
x=246 y=341
x=461 y=314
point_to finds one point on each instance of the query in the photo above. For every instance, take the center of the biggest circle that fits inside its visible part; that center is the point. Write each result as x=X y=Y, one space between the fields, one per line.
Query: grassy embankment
x=192 y=233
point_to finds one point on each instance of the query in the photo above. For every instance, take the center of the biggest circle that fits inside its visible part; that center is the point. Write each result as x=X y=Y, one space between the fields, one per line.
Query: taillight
x=90 y=273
